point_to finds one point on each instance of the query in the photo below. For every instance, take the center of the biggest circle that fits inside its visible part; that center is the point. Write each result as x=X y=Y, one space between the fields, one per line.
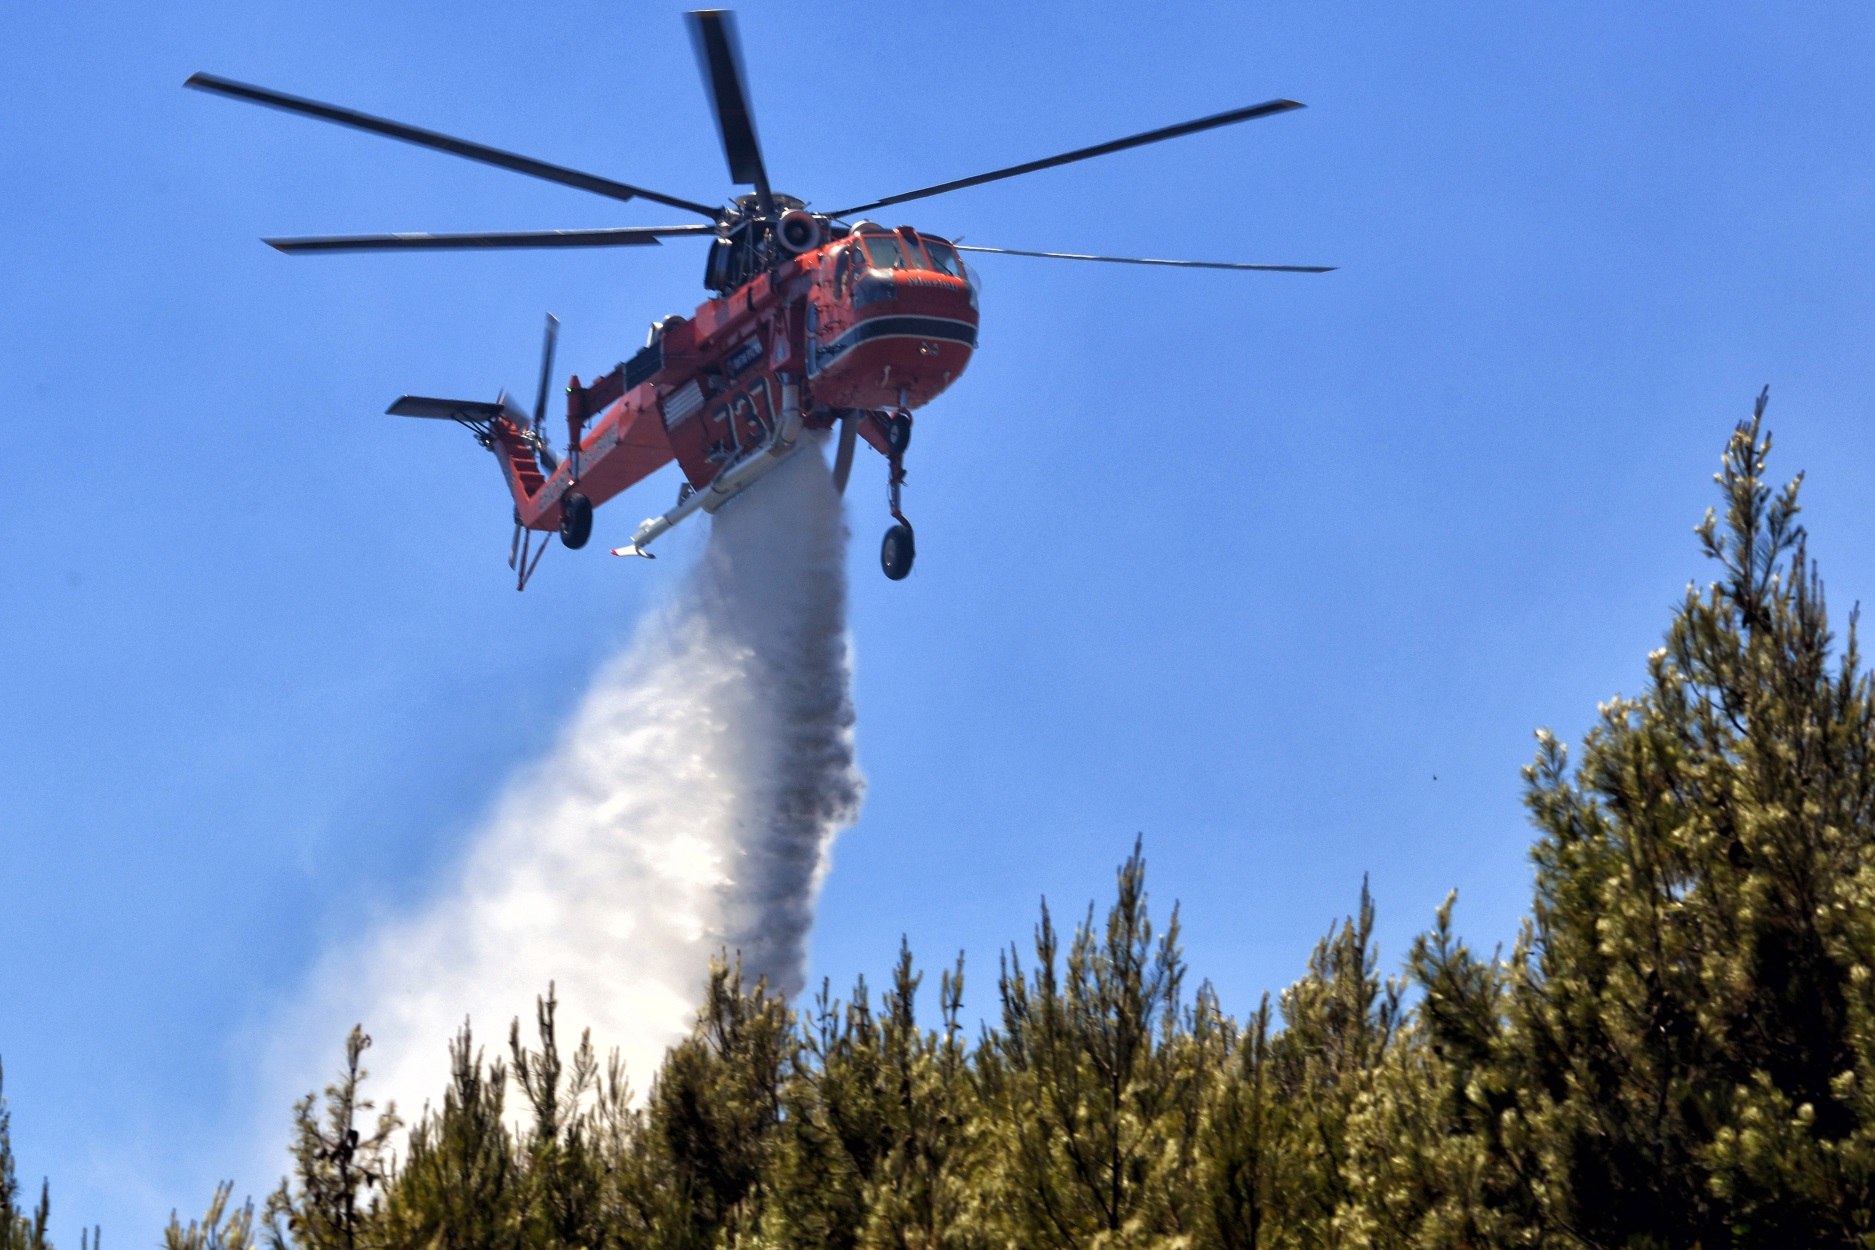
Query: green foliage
x=1678 y=1050
x=562 y=1175
x=327 y=1205
x=219 y=1228
x=1675 y=1052
x=712 y=1117
x=872 y=1135
x=18 y=1229
x=457 y=1189
x=1339 y=1027
x=1095 y=1082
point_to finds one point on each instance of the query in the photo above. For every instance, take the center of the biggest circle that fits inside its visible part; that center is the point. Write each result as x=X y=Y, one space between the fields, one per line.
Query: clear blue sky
x=1240 y=562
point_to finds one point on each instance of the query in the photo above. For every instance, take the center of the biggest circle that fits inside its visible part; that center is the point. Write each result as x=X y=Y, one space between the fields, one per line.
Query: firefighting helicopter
x=816 y=319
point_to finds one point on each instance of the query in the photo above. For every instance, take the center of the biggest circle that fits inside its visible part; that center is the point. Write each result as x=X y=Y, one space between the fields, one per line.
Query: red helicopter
x=816 y=320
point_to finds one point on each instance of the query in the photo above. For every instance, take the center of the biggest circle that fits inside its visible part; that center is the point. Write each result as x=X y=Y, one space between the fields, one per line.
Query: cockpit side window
x=885 y=251
x=842 y=271
x=943 y=257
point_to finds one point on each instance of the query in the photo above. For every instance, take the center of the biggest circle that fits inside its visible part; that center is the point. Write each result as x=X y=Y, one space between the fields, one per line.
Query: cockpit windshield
x=887 y=252
x=943 y=258
x=896 y=251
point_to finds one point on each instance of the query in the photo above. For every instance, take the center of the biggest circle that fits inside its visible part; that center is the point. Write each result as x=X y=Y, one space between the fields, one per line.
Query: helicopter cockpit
x=906 y=249
x=873 y=250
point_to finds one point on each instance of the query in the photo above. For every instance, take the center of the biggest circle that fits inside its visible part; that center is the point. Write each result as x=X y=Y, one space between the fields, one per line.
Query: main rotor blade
x=719 y=55
x=618 y=236
x=1266 y=109
x=1135 y=260
x=442 y=143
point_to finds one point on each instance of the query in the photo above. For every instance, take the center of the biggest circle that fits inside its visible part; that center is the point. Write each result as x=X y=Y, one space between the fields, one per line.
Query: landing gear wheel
x=898 y=433
x=896 y=552
x=575 y=519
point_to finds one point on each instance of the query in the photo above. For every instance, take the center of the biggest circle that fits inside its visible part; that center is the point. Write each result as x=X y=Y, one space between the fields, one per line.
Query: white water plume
x=689 y=806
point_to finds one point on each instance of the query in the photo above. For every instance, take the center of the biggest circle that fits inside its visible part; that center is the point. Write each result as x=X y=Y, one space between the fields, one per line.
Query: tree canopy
x=1678 y=1050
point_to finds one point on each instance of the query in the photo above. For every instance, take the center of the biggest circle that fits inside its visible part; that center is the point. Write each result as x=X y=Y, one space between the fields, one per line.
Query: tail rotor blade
x=546 y=372
x=719 y=54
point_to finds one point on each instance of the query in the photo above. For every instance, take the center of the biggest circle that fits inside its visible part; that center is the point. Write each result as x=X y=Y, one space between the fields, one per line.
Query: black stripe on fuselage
x=900 y=328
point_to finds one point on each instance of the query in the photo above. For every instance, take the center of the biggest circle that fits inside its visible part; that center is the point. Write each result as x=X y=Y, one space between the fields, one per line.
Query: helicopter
x=816 y=319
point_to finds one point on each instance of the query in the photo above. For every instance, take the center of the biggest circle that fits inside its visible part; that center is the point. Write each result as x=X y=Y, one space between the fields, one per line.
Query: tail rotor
x=542 y=448
x=536 y=433
x=533 y=429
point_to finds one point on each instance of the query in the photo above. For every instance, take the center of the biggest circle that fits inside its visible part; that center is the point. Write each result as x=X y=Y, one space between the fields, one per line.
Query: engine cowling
x=799 y=231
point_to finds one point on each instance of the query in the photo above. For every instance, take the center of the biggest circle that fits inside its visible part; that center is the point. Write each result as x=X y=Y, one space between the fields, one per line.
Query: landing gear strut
x=899 y=548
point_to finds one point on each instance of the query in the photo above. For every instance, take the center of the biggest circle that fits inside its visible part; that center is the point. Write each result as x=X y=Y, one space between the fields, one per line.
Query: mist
x=688 y=807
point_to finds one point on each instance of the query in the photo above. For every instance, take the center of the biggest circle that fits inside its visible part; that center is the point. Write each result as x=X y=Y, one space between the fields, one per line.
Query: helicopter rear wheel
x=575 y=519
x=897 y=551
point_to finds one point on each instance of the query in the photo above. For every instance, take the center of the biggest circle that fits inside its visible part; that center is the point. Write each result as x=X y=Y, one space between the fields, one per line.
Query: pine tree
x=711 y=1116
x=1281 y=1149
x=836 y=1129
x=1339 y=1023
x=329 y=1204
x=18 y=1229
x=458 y=1188
x=1092 y=1084
x=1425 y=1159
x=218 y=1229
x=562 y=1174
x=1242 y=1128
x=919 y=1197
x=1686 y=1039
x=633 y=1203
x=870 y=1152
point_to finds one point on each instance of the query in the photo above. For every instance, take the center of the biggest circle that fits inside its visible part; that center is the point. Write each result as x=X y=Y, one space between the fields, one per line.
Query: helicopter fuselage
x=874 y=323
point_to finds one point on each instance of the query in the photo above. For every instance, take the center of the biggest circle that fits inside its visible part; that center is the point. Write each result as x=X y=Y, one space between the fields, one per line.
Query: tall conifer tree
x=19 y=1230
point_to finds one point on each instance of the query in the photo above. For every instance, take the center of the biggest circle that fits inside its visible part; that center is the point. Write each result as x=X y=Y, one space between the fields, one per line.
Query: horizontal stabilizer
x=444 y=409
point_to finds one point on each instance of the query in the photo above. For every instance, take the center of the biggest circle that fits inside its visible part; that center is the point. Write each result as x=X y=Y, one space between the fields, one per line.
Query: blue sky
x=1239 y=562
